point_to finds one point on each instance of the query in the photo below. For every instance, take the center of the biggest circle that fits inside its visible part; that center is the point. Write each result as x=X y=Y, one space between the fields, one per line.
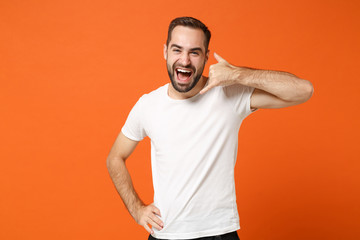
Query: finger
x=204 y=90
x=156 y=223
x=147 y=228
x=154 y=217
x=157 y=220
x=156 y=211
x=218 y=58
x=207 y=88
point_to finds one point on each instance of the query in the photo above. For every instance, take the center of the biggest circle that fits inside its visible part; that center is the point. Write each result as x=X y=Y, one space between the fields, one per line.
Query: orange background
x=71 y=71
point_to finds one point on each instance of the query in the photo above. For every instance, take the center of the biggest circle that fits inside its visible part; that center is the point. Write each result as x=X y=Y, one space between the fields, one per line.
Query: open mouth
x=183 y=75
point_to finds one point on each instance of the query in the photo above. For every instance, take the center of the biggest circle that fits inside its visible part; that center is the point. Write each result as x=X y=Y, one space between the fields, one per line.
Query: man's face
x=185 y=57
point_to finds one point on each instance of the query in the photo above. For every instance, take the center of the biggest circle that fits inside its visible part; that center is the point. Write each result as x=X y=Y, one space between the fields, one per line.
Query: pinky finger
x=147 y=228
x=204 y=90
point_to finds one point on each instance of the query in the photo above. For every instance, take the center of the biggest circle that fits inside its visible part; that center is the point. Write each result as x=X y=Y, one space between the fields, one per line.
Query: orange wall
x=70 y=72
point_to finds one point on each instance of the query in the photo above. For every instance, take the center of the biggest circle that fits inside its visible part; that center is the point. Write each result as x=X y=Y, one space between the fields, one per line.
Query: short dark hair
x=192 y=23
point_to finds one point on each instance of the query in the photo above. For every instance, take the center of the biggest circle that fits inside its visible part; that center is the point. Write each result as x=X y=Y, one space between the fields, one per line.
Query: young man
x=193 y=125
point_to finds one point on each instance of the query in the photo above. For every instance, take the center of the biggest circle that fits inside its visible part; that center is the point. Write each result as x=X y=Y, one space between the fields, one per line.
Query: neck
x=184 y=95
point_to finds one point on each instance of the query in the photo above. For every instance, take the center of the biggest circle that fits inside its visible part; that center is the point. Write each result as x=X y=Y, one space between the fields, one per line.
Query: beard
x=197 y=73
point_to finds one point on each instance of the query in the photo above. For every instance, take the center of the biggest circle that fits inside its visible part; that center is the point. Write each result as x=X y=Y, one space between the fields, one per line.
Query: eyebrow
x=191 y=49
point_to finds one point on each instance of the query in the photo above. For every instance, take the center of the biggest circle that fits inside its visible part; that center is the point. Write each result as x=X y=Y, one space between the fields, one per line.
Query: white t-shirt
x=193 y=153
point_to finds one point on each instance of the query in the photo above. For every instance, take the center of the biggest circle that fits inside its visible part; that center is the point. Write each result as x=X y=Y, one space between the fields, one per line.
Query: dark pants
x=226 y=236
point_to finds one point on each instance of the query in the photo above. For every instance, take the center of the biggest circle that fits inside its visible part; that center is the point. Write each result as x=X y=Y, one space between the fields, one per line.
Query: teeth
x=184 y=71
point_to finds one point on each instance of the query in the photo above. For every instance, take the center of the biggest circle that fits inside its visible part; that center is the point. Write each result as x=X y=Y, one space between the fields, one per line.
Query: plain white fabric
x=193 y=154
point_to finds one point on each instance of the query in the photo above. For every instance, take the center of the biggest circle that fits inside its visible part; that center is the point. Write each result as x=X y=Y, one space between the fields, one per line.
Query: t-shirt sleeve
x=134 y=125
x=239 y=96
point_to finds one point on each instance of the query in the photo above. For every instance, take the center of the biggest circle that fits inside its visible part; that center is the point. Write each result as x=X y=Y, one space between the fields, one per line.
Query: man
x=193 y=125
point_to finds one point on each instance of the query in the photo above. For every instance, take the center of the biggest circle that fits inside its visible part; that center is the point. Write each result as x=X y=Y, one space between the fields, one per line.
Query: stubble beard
x=184 y=87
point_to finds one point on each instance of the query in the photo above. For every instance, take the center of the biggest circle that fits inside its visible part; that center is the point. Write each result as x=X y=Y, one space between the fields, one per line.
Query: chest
x=189 y=123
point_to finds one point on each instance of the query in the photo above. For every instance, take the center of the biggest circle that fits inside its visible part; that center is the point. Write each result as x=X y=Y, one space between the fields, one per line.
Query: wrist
x=243 y=75
x=136 y=208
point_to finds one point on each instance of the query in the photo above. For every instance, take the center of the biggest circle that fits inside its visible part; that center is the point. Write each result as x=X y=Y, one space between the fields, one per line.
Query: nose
x=185 y=59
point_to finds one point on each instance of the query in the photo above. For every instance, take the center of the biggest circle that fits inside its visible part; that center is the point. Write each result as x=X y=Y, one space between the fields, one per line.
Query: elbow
x=111 y=167
x=303 y=93
x=114 y=163
x=308 y=90
x=108 y=163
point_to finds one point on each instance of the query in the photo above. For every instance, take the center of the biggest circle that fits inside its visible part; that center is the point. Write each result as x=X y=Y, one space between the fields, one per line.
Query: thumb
x=218 y=58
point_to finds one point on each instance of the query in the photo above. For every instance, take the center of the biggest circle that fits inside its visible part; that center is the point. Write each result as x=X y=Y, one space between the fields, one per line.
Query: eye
x=194 y=53
x=176 y=50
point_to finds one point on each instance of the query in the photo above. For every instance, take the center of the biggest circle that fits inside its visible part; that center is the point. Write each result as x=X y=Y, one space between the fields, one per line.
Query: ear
x=207 y=55
x=165 y=52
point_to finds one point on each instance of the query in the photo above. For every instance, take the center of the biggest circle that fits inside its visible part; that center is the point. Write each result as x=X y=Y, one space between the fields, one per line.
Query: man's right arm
x=143 y=214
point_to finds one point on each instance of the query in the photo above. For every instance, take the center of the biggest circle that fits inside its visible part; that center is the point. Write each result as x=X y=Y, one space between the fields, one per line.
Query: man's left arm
x=273 y=89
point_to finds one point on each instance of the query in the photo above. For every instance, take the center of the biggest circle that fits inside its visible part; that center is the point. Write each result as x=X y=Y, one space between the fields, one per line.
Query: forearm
x=283 y=85
x=144 y=215
x=274 y=89
x=123 y=184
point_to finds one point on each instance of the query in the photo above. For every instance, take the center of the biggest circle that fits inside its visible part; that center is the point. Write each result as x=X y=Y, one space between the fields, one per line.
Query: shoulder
x=148 y=100
x=155 y=94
